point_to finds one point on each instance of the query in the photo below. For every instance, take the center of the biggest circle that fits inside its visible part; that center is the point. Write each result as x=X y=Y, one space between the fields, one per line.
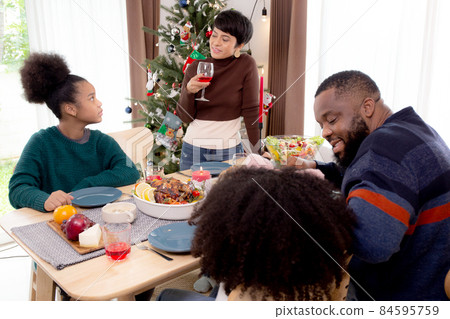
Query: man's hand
x=300 y=163
x=57 y=199
x=194 y=85
x=267 y=155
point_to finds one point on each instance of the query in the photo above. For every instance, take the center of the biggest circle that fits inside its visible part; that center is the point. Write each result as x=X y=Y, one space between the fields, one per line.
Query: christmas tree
x=187 y=38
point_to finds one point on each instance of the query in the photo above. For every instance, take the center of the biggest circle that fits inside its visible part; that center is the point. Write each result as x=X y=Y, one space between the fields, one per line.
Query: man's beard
x=355 y=137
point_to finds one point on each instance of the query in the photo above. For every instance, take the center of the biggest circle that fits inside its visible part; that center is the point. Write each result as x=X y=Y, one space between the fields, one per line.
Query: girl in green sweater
x=69 y=156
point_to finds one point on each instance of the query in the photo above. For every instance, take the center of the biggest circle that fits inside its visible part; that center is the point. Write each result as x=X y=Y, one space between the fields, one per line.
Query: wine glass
x=207 y=71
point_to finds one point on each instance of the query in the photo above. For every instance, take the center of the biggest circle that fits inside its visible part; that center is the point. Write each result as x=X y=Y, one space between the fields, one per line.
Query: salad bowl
x=281 y=147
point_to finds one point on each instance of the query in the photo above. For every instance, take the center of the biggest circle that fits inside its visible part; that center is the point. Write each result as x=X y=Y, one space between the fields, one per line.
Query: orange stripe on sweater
x=381 y=202
x=432 y=215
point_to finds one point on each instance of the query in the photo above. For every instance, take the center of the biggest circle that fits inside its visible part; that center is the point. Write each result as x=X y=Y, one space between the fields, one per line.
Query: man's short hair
x=349 y=82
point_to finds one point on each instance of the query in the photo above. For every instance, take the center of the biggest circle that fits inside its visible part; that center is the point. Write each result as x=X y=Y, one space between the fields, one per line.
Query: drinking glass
x=207 y=71
x=117 y=239
x=153 y=172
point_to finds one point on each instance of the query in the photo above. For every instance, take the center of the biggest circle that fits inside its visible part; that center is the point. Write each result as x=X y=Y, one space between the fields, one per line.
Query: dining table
x=99 y=278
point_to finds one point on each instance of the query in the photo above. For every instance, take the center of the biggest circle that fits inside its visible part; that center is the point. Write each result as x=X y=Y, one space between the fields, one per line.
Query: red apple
x=75 y=225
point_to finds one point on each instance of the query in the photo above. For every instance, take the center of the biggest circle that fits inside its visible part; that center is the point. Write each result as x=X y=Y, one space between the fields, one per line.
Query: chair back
x=447 y=284
x=136 y=143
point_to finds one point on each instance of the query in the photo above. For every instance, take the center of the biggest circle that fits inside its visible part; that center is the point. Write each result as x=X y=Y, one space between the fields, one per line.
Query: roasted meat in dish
x=171 y=190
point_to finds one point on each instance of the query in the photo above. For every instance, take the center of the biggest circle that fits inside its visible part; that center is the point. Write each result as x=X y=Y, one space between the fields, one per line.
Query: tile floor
x=14 y=272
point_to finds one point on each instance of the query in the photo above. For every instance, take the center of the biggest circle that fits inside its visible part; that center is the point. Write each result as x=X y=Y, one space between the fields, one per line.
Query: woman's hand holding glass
x=195 y=85
x=205 y=72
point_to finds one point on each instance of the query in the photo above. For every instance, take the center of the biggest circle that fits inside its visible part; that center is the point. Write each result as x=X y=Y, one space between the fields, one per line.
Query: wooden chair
x=447 y=284
x=136 y=143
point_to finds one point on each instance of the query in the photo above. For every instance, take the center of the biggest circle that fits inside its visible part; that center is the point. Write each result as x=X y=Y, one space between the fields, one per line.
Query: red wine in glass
x=205 y=78
x=118 y=251
x=206 y=69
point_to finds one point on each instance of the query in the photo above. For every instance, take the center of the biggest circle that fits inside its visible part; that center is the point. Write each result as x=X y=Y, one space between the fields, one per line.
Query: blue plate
x=173 y=238
x=95 y=196
x=215 y=168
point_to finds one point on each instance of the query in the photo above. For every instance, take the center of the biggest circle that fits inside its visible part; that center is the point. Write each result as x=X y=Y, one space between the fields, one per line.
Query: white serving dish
x=164 y=211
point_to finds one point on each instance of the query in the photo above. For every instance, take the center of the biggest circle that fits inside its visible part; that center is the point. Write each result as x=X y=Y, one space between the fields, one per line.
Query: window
x=402 y=45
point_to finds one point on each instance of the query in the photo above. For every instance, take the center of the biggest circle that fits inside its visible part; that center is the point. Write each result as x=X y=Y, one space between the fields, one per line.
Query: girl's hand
x=57 y=199
x=194 y=85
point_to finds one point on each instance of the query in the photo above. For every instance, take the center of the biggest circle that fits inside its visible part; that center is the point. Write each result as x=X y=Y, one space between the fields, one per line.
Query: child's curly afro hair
x=46 y=78
x=285 y=234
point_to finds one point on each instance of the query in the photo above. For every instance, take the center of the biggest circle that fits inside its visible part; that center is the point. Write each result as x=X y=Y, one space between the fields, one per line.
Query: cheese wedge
x=91 y=236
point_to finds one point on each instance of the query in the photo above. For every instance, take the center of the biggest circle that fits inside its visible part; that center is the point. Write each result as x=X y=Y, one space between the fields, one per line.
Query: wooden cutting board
x=74 y=244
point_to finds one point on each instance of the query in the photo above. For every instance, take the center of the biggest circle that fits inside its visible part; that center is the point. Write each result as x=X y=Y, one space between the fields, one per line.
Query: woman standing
x=213 y=133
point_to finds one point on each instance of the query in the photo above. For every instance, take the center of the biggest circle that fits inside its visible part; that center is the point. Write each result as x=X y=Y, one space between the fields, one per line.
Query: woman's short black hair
x=280 y=232
x=46 y=78
x=236 y=24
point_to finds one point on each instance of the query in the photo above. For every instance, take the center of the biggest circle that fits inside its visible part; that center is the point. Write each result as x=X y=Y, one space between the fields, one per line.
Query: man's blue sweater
x=399 y=187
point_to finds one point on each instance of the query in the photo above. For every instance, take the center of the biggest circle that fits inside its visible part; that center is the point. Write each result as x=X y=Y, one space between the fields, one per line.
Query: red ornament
x=208 y=33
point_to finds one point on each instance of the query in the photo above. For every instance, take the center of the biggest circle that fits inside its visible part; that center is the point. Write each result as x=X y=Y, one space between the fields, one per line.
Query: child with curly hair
x=274 y=235
x=69 y=156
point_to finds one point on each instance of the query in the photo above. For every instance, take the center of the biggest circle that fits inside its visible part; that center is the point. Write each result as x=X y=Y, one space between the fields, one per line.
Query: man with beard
x=394 y=170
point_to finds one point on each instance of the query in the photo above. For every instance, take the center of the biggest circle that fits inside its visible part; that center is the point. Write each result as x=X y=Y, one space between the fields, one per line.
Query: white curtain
x=92 y=36
x=403 y=45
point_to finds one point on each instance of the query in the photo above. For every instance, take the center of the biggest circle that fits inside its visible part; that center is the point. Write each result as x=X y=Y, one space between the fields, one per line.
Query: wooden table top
x=100 y=278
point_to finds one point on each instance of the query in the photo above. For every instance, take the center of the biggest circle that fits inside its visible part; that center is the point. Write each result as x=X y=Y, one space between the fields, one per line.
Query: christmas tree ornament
x=159 y=113
x=172 y=94
x=150 y=82
x=195 y=55
x=267 y=102
x=170 y=48
x=208 y=34
x=185 y=33
x=148 y=125
x=175 y=31
x=128 y=110
x=183 y=3
x=166 y=133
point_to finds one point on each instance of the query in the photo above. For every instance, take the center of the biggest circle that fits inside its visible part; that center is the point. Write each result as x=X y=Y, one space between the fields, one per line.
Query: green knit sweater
x=51 y=162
